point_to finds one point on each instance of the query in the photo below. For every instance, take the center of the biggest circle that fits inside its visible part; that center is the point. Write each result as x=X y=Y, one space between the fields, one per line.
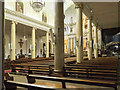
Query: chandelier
x=71 y=24
x=37 y=5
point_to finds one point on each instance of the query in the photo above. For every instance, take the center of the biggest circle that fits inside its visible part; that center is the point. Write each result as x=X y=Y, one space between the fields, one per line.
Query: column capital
x=14 y=22
x=79 y=5
x=34 y=28
x=47 y=31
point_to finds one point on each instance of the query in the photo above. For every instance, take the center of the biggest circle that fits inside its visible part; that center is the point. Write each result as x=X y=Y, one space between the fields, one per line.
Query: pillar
x=52 y=48
x=68 y=47
x=33 y=43
x=90 y=39
x=1 y=44
x=100 y=41
x=71 y=44
x=74 y=45
x=59 y=36
x=95 y=42
x=13 y=40
x=79 y=35
x=47 y=44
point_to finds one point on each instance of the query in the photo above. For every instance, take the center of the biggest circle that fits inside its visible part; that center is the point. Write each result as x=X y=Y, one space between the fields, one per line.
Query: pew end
x=30 y=79
x=9 y=86
x=7 y=77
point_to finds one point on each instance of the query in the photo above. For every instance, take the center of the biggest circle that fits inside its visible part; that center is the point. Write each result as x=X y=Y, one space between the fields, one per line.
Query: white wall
x=29 y=41
x=28 y=10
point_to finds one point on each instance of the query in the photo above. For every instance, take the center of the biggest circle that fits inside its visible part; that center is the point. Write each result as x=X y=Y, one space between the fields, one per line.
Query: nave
x=97 y=72
x=59 y=45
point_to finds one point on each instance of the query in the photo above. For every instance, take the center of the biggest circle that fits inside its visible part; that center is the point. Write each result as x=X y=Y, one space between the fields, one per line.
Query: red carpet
x=8 y=71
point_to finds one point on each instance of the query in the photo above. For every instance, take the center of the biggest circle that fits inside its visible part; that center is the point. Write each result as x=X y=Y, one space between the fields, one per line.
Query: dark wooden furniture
x=14 y=84
x=32 y=68
x=71 y=80
x=91 y=72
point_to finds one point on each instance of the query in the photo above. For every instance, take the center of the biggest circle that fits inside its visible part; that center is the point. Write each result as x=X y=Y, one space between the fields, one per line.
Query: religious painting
x=19 y=6
x=44 y=17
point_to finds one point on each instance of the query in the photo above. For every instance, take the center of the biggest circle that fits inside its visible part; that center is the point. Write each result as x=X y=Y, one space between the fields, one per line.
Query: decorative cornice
x=11 y=12
x=79 y=5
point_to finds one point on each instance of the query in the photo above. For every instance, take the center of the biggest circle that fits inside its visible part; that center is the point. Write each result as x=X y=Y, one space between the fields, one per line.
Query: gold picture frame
x=19 y=6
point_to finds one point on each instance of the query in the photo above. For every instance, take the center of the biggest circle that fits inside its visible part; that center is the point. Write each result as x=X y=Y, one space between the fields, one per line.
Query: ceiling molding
x=20 y=18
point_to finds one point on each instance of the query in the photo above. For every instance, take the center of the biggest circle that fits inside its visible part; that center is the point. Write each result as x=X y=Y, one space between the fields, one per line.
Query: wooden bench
x=12 y=85
x=71 y=80
x=32 y=68
x=91 y=72
x=26 y=60
x=91 y=65
x=32 y=79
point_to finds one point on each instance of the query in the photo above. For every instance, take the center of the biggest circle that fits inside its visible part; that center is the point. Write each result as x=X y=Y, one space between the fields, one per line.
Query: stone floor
x=57 y=85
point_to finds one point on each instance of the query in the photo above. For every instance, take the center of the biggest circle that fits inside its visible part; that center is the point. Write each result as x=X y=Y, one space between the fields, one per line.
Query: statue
x=21 y=44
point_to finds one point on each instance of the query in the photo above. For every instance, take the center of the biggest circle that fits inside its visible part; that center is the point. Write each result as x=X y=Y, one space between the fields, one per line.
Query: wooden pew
x=91 y=72
x=26 y=60
x=14 y=85
x=71 y=80
x=32 y=79
x=33 y=68
x=90 y=65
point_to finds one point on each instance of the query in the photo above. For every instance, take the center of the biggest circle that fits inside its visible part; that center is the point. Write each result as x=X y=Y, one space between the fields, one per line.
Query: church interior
x=59 y=44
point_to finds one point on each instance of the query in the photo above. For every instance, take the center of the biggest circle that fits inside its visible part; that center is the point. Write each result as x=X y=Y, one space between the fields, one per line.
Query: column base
x=58 y=71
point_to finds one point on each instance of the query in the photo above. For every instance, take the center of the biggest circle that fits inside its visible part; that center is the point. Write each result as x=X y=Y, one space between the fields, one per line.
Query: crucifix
x=21 y=44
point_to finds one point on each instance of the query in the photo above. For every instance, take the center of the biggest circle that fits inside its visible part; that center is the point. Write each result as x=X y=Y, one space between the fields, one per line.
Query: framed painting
x=44 y=17
x=19 y=6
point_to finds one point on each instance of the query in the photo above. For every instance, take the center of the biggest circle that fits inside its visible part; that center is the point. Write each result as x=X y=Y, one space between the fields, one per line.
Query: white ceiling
x=106 y=12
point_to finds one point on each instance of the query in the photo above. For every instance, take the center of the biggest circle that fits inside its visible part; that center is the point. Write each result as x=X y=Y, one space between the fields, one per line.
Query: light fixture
x=37 y=5
x=71 y=24
x=91 y=11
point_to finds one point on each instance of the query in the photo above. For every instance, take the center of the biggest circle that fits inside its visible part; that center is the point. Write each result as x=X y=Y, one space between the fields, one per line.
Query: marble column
x=71 y=44
x=13 y=40
x=33 y=43
x=1 y=45
x=68 y=47
x=90 y=39
x=95 y=42
x=79 y=35
x=59 y=36
x=74 y=45
x=47 y=44
x=52 y=48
